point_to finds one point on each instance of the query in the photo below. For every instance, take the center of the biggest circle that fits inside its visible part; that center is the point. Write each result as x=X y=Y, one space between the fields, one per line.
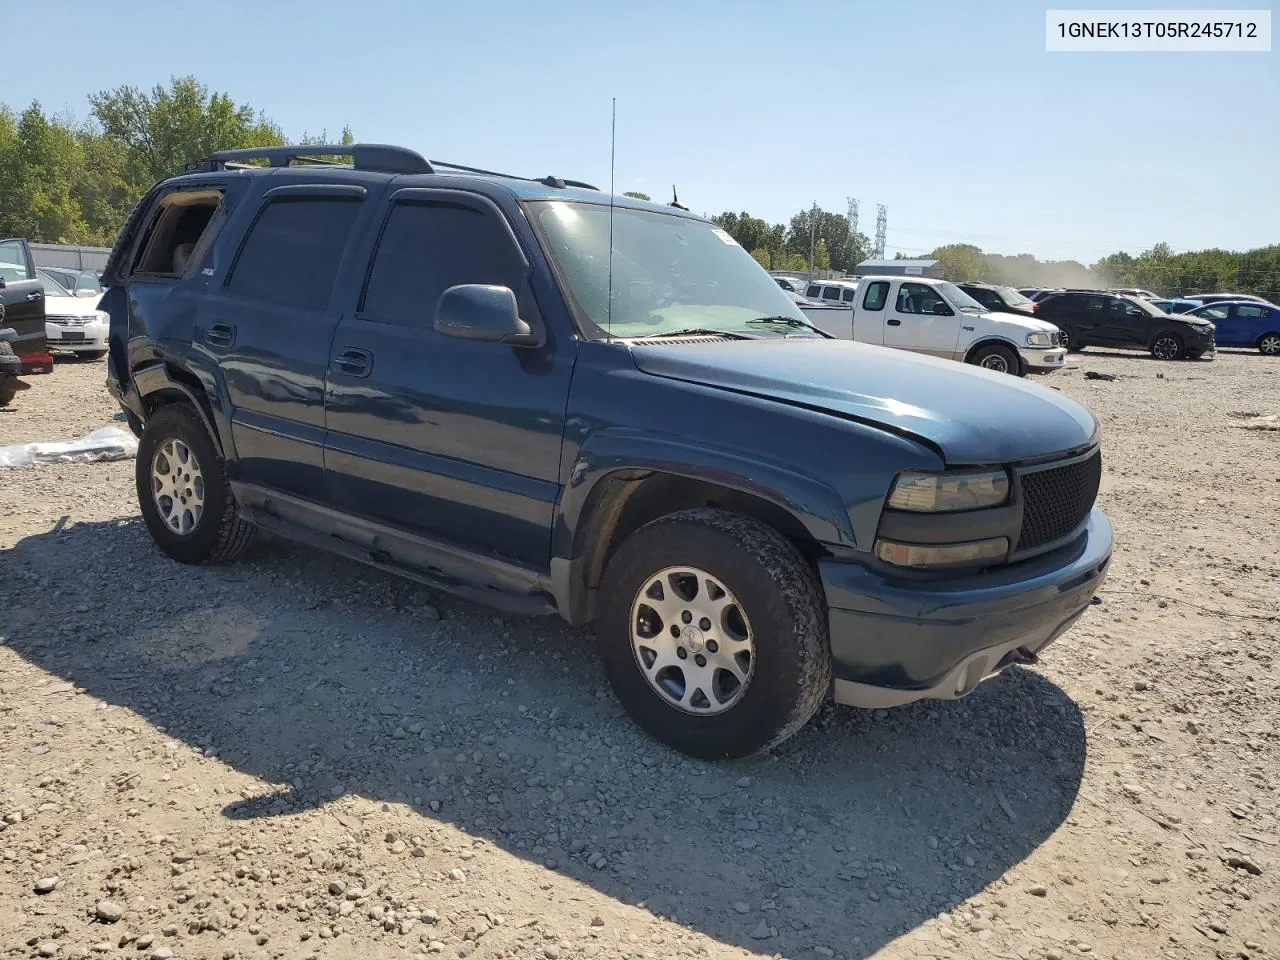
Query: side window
x=813 y=292
x=428 y=247
x=831 y=293
x=178 y=234
x=13 y=262
x=1214 y=313
x=292 y=252
x=848 y=294
x=1092 y=305
x=916 y=298
x=1249 y=313
x=877 y=293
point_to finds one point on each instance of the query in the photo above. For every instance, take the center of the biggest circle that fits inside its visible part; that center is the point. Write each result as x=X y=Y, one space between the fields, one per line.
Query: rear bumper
x=894 y=642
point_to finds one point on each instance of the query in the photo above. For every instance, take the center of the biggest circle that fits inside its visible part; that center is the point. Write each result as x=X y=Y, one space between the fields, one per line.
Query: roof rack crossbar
x=381 y=157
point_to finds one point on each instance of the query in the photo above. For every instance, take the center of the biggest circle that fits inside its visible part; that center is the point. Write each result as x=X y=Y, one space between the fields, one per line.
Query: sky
x=950 y=114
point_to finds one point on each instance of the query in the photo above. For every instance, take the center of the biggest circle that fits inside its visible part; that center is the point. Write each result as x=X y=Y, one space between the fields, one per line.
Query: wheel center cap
x=693 y=639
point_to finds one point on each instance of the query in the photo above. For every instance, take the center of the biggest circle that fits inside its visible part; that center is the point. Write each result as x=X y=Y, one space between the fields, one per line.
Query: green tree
x=637 y=195
x=163 y=130
x=962 y=262
x=821 y=256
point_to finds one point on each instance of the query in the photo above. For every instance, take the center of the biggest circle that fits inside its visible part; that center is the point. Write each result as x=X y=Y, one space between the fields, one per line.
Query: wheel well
x=993 y=342
x=156 y=399
x=623 y=504
x=1265 y=334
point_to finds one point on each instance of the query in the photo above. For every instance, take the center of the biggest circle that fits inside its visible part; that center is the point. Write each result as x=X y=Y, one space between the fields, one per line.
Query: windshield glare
x=1012 y=297
x=52 y=288
x=958 y=298
x=668 y=272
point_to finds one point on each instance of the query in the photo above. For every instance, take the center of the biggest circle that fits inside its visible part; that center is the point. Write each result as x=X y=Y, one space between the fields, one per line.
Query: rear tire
x=183 y=491
x=1071 y=340
x=744 y=604
x=1269 y=344
x=8 y=389
x=1168 y=346
x=997 y=357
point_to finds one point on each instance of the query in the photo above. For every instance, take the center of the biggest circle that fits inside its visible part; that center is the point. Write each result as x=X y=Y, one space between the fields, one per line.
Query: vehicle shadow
x=329 y=680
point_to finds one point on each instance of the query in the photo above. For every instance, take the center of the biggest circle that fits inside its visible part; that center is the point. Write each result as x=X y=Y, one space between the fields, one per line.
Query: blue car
x=1244 y=323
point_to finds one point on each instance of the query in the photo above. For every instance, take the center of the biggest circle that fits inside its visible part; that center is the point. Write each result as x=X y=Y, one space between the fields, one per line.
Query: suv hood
x=973 y=416
x=70 y=306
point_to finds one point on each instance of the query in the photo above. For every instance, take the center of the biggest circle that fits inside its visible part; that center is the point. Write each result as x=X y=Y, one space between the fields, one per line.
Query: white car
x=933 y=316
x=73 y=323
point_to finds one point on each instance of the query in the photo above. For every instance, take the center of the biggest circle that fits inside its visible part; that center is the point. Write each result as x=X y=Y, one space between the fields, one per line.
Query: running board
x=495 y=583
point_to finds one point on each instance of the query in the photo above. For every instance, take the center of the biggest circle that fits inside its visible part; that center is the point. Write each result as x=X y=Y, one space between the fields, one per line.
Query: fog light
x=934 y=555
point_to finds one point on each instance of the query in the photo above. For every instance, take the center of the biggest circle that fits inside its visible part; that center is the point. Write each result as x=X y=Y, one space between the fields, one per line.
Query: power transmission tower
x=882 y=226
x=853 y=218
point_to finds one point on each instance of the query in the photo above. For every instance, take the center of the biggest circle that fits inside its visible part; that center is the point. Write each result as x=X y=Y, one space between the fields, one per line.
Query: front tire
x=8 y=389
x=998 y=358
x=1168 y=346
x=183 y=491
x=713 y=633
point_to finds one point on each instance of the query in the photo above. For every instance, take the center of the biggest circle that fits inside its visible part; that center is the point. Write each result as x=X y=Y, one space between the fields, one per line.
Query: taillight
x=1035 y=308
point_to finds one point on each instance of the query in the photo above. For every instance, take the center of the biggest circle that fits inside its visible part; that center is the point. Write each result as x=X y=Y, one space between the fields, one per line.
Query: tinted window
x=292 y=252
x=831 y=293
x=1212 y=313
x=848 y=294
x=427 y=248
x=813 y=292
x=876 y=295
x=984 y=296
x=1251 y=313
x=1123 y=308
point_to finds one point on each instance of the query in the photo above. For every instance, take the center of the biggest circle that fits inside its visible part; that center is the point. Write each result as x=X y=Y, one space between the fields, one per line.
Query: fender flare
x=157 y=378
x=624 y=452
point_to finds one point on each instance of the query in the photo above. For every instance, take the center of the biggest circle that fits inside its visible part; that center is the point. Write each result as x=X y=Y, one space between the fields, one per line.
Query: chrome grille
x=1055 y=500
x=69 y=321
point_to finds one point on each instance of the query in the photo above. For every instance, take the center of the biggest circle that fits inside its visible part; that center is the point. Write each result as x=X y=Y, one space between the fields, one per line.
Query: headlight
x=1039 y=340
x=932 y=556
x=948 y=492
x=102 y=316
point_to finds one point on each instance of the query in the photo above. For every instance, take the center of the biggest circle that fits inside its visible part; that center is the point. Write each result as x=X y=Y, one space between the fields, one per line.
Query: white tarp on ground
x=107 y=443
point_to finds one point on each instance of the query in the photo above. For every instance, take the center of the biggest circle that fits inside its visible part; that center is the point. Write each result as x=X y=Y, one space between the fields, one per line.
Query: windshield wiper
x=693 y=332
x=788 y=322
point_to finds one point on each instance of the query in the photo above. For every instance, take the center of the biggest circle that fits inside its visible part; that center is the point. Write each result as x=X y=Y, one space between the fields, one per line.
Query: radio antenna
x=613 y=148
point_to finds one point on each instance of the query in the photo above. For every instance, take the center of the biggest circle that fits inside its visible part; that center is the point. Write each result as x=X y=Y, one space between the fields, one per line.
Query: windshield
x=1013 y=298
x=668 y=273
x=959 y=299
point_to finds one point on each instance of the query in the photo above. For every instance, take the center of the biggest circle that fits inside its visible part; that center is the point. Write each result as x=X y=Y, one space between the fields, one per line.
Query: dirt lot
x=295 y=756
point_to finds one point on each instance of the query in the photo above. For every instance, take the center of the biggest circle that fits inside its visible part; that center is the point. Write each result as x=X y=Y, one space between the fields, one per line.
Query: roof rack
x=379 y=157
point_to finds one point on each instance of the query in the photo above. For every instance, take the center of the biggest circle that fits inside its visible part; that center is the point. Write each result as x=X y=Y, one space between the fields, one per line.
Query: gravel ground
x=295 y=756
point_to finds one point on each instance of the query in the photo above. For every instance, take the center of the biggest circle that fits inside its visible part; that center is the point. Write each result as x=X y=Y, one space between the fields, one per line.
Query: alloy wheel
x=692 y=641
x=177 y=484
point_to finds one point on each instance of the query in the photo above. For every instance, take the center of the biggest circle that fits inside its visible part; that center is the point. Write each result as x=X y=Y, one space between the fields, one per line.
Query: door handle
x=221 y=335
x=354 y=362
x=35 y=296
x=893 y=322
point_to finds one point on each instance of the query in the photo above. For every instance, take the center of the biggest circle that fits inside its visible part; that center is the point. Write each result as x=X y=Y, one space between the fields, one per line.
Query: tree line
x=70 y=180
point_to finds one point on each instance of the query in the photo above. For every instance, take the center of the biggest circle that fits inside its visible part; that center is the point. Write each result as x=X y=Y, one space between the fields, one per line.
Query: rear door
x=271 y=327
x=21 y=297
x=919 y=319
x=869 y=313
x=1247 y=323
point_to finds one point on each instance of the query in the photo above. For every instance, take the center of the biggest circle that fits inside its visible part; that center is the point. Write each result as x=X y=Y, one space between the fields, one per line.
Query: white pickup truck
x=938 y=318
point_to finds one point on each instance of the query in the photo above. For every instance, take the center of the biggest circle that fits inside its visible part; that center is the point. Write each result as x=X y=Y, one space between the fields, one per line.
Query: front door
x=869 y=314
x=919 y=319
x=21 y=297
x=1126 y=325
x=453 y=439
x=271 y=329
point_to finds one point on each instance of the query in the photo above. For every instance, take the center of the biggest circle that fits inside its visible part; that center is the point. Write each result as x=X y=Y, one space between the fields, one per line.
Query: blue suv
x=552 y=400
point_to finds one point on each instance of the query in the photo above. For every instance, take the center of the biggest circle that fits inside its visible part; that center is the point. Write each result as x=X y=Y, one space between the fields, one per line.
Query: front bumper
x=893 y=642
x=87 y=336
x=1043 y=359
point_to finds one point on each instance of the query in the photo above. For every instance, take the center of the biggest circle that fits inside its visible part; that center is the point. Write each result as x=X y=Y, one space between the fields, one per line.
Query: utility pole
x=813 y=226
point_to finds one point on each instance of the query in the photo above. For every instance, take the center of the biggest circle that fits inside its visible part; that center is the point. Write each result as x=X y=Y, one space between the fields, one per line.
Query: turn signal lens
x=949 y=492
x=933 y=556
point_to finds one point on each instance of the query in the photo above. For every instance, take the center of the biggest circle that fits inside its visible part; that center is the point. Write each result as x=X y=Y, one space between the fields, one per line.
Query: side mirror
x=481 y=311
x=940 y=309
